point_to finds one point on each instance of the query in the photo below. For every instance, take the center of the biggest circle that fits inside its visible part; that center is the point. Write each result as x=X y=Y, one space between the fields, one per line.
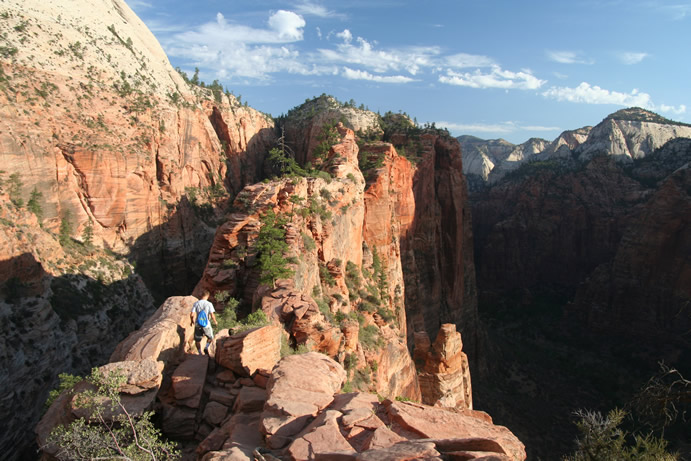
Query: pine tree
x=34 y=203
x=15 y=185
x=88 y=233
x=272 y=245
x=65 y=234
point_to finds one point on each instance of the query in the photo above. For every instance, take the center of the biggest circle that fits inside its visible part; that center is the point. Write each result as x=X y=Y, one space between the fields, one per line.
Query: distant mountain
x=627 y=134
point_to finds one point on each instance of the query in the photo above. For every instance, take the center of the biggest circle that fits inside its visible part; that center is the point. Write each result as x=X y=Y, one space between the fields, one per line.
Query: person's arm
x=213 y=318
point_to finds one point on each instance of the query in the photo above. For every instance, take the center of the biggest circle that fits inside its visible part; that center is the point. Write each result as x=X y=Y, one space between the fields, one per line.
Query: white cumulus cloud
x=287 y=25
x=593 y=94
x=352 y=74
x=364 y=53
x=497 y=78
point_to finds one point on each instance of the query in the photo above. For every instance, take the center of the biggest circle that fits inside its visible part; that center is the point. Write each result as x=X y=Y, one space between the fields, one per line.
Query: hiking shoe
x=206 y=351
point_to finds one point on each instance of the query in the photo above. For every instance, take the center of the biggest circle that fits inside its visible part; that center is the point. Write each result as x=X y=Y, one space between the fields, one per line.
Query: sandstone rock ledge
x=294 y=412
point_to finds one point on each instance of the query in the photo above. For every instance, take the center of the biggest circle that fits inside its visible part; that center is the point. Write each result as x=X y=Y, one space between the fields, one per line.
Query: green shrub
x=308 y=242
x=350 y=361
x=601 y=438
x=369 y=337
x=67 y=381
x=128 y=436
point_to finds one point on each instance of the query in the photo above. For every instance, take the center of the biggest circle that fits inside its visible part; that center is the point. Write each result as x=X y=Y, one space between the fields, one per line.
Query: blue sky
x=490 y=68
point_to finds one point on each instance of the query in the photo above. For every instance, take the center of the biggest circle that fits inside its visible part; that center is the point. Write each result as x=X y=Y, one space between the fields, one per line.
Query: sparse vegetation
x=67 y=381
x=272 y=247
x=601 y=438
x=110 y=432
x=65 y=233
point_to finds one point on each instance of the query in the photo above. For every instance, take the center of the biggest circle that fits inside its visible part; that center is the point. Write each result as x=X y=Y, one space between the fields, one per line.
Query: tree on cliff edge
x=110 y=432
x=272 y=245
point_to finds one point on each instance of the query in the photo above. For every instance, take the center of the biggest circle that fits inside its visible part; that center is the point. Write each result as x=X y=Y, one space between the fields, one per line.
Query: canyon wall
x=96 y=120
x=120 y=159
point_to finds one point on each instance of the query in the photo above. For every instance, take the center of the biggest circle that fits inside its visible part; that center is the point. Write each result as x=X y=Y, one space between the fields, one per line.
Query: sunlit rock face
x=95 y=118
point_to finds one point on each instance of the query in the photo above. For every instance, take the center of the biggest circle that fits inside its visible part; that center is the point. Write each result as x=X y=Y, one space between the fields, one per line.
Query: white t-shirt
x=203 y=305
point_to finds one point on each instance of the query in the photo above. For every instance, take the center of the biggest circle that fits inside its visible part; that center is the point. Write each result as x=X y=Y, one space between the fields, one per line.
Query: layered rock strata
x=335 y=232
x=117 y=138
x=298 y=413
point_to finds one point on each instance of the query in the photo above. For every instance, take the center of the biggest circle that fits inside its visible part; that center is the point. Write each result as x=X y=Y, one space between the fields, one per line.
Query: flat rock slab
x=250 y=400
x=300 y=387
x=188 y=380
x=439 y=423
x=141 y=376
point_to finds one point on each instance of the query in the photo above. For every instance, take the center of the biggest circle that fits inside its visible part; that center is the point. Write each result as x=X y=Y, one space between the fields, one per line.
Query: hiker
x=202 y=311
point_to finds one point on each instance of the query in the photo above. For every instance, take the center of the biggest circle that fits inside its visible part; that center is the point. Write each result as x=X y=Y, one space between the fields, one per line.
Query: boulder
x=325 y=437
x=250 y=400
x=163 y=336
x=215 y=413
x=248 y=351
x=141 y=375
x=300 y=386
x=421 y=421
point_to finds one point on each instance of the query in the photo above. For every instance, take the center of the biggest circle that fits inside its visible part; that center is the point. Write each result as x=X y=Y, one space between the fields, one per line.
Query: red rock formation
x=358 y=226
x=437 y=251
x=117 y=137
x=445 y=378
x=246 y=352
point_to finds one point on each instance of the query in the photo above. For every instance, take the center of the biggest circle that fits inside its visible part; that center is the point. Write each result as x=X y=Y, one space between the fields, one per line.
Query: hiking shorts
x=199 y=332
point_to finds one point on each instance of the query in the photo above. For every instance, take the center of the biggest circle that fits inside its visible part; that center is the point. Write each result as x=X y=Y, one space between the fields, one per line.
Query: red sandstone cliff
x=94 y=117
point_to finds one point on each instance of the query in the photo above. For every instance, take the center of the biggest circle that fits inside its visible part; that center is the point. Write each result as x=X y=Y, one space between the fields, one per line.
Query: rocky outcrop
x=299 y=414
x=631 y=134
x=437 y=250
x=304 y=124
x=164 y=336
x=445 y=374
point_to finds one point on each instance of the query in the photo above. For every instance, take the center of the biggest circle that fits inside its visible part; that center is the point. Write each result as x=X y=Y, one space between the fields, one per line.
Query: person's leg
x=198 y=335
x=209 y=333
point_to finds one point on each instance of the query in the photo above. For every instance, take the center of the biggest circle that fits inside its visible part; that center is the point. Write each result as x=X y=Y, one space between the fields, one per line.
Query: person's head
x=205 y=294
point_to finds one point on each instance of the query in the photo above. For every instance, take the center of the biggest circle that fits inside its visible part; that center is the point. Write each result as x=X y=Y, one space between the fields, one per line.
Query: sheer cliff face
x=645 y=288
x=437 y=253
x=95 y=118
x=394 y=253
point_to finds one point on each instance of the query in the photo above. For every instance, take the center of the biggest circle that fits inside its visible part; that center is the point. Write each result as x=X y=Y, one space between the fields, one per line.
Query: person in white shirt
x=201 y=316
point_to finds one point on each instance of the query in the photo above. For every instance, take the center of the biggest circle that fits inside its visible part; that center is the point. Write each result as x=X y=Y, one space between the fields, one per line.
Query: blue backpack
x=202 y=319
